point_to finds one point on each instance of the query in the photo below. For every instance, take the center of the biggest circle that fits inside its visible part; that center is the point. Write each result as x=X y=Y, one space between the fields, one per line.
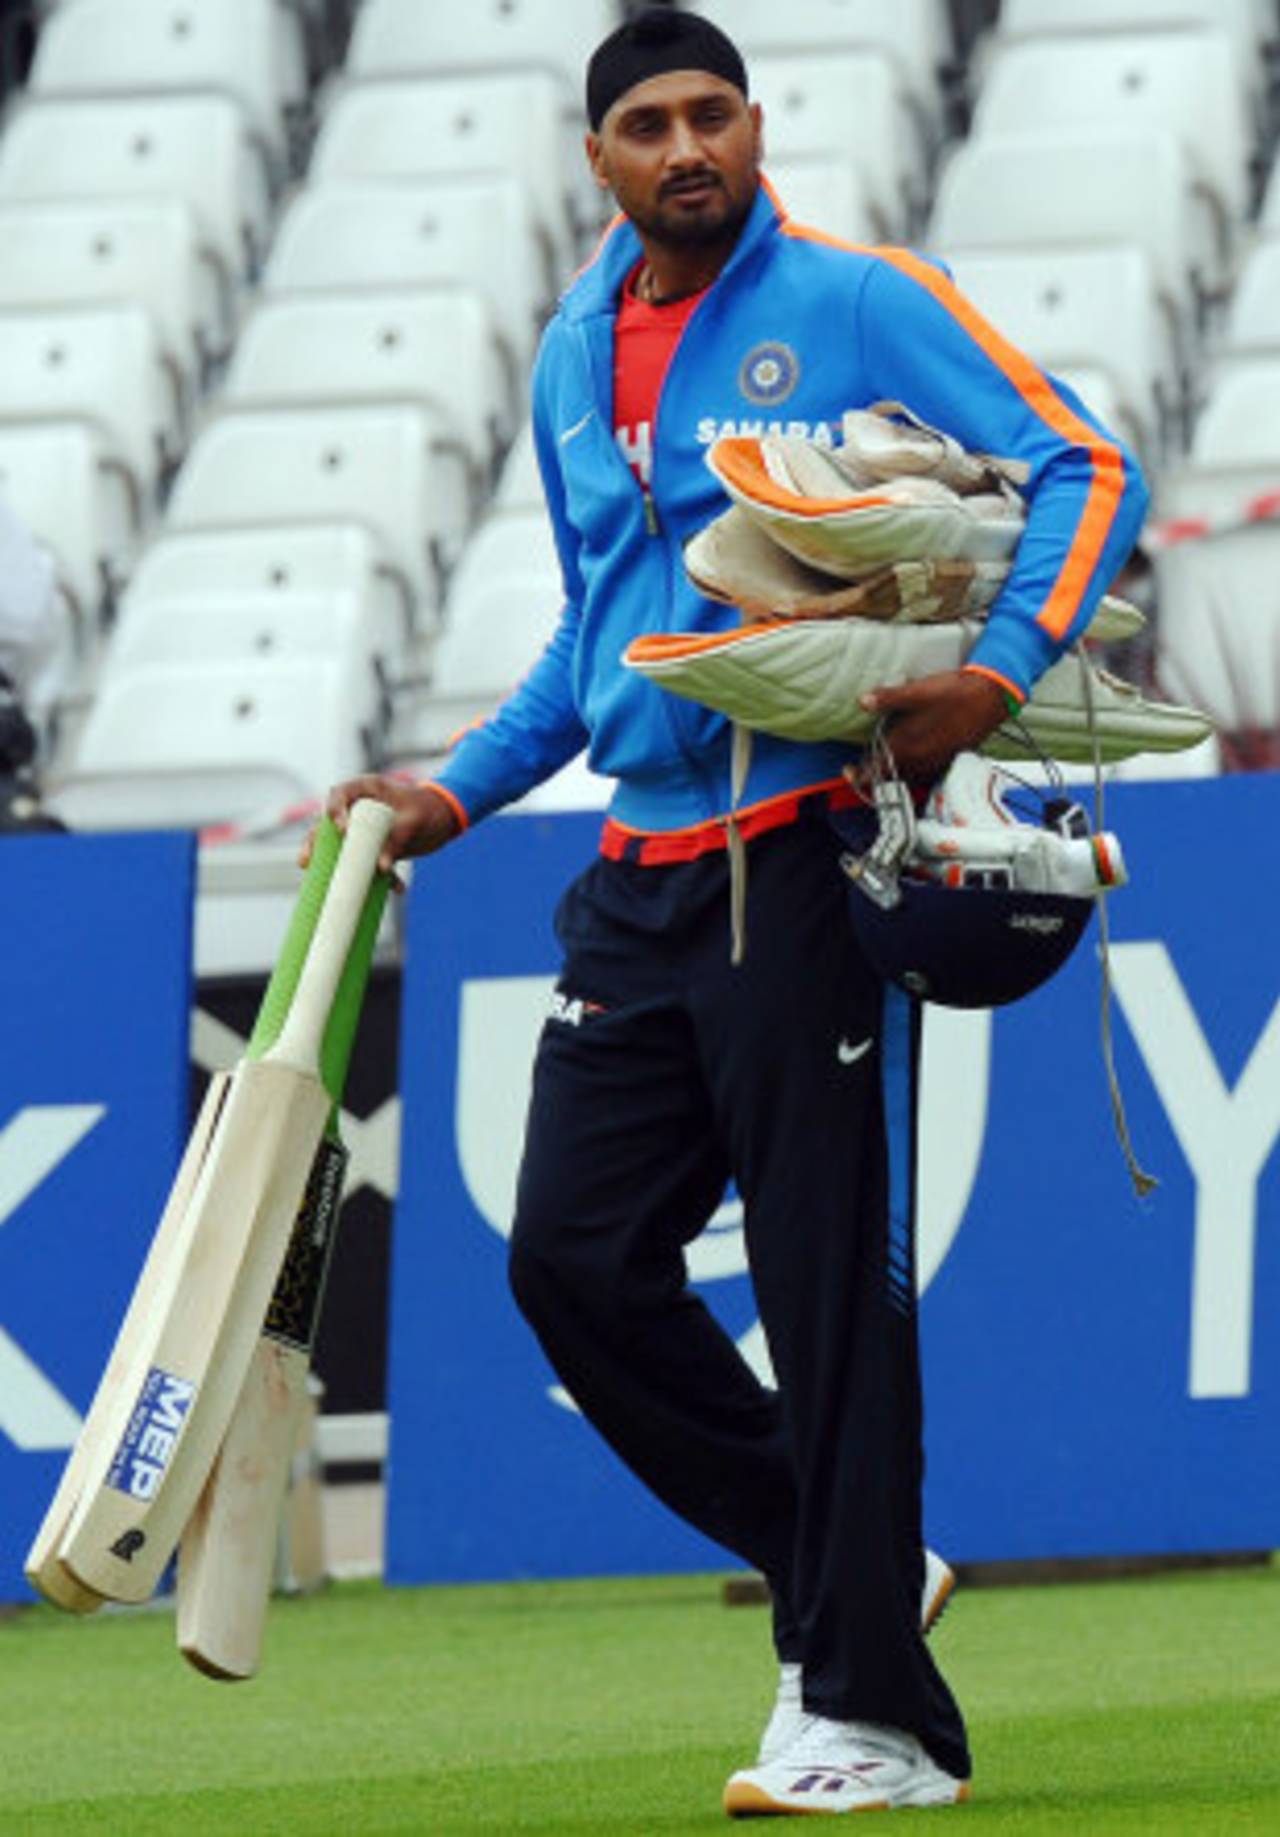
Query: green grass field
x=619 y=1707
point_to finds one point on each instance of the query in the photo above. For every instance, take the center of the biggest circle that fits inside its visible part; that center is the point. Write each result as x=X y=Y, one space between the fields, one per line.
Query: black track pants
x=664 y=1071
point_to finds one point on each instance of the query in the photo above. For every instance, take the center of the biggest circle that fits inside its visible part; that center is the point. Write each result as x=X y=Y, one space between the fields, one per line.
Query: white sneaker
x=838 y=1767
x=788 y=1714
x=786 y=1718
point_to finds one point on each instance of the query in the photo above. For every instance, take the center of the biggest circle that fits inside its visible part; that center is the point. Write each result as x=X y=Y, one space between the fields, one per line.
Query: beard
x=714 y=220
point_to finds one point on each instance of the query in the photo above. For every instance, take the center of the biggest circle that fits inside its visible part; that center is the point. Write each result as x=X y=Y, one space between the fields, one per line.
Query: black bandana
x=655 y=42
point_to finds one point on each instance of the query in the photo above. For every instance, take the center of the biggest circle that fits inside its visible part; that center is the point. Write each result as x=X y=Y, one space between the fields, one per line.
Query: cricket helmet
x=974 y=903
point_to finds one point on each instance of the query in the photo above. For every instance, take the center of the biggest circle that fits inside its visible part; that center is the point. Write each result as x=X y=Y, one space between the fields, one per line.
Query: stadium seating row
x=344 y=417
x=271 y=320
x=1111 y=210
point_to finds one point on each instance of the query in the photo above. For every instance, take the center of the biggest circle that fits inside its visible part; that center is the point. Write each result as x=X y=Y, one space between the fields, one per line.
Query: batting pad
x=737 y=562
x=803 y=679
x=848 y=532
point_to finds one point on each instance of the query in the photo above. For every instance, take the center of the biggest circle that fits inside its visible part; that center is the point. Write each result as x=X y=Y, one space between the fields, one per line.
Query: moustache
x=695 y=181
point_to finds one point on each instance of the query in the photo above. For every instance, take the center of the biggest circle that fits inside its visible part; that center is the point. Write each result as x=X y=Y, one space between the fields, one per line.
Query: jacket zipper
x=698 y=772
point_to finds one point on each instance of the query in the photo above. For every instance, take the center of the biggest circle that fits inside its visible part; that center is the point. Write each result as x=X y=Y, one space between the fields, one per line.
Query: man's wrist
x=456 y=808
x=1009 y=693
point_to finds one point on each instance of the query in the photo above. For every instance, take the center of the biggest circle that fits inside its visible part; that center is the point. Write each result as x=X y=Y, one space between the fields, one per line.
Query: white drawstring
x=740 y=767
x=1143 y=1182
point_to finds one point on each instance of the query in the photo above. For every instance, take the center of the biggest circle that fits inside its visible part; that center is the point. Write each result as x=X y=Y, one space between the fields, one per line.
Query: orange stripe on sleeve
x=1107 y=483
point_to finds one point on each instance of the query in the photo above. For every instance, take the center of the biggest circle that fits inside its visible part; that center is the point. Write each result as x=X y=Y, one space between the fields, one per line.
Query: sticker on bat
x=294 y=1310
x=147 y=1445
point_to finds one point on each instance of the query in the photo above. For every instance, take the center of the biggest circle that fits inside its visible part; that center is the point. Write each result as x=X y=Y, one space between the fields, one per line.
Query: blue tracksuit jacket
x=796 y=329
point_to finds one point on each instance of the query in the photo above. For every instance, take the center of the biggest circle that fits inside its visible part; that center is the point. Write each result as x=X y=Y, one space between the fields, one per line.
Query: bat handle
x=302 y=1035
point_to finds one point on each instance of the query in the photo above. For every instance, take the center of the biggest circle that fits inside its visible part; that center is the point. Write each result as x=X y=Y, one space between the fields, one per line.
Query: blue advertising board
x=1102 y=1372
x=95 y=994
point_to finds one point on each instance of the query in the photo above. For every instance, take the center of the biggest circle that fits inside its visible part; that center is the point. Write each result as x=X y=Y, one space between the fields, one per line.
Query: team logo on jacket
x=769 y=373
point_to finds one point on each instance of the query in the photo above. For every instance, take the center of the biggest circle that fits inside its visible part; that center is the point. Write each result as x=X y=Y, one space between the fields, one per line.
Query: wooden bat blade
x=162 y=1431
x=227 y=1554
x=44 y=1569
x=158 y=1432
x=228 y=1550
x=301 y=1556
x=60 y=1587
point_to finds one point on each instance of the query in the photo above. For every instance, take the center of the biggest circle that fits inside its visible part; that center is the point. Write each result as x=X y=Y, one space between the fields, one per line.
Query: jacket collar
x=595 y=289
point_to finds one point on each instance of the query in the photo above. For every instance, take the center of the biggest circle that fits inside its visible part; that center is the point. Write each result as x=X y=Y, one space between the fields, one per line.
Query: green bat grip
x=340 y=1033
x=340 y=1029
x=297 y=941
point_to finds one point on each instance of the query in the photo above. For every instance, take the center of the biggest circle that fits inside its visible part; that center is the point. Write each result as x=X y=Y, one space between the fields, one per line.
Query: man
x=792 y=1071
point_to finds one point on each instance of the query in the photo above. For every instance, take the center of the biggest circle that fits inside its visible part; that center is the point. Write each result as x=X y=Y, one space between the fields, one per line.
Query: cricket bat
x=152 y=1445
x=228 y=1551
x=44 y=1570
x=227 y=1555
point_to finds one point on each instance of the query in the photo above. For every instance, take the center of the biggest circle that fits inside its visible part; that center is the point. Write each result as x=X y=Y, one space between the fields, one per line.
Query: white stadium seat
x=98 y=364
x=504 y=125
x=190 y=745
x=520 y=482
x=1240 y=422
x=248 y=50
x=1218 y=592
x=193 y=149
x=1269 y=218
x=140 y=250
x=1221 y=491
x=502 y=609
x=1244 y=21
x=849 y=106
x=468 y=678
x=1253 y=318
x=1219 y=626
x=402 y=37
x=469 y=232
x=373 y=466
x=436 y=348
x=1073 y=309
x=63 y=482
x=245 y=629
x=406 y=38
x=1183 y=83
x=825 y=194
x=915 y=34
x=504 y=544
x=306 y=558
x=1110 y=188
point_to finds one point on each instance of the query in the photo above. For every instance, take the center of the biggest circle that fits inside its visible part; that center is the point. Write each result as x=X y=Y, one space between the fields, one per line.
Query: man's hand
x=424 y=819
x=929 y=721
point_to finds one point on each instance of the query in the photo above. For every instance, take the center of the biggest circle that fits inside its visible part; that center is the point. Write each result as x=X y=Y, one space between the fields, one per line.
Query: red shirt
x=644 y=341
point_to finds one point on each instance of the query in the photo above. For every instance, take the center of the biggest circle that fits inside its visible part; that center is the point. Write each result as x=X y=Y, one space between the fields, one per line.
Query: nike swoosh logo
x=571 y=433
x=849 y=1055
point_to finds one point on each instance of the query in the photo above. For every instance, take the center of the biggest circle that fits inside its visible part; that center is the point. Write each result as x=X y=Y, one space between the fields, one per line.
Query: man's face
x=681 y=154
